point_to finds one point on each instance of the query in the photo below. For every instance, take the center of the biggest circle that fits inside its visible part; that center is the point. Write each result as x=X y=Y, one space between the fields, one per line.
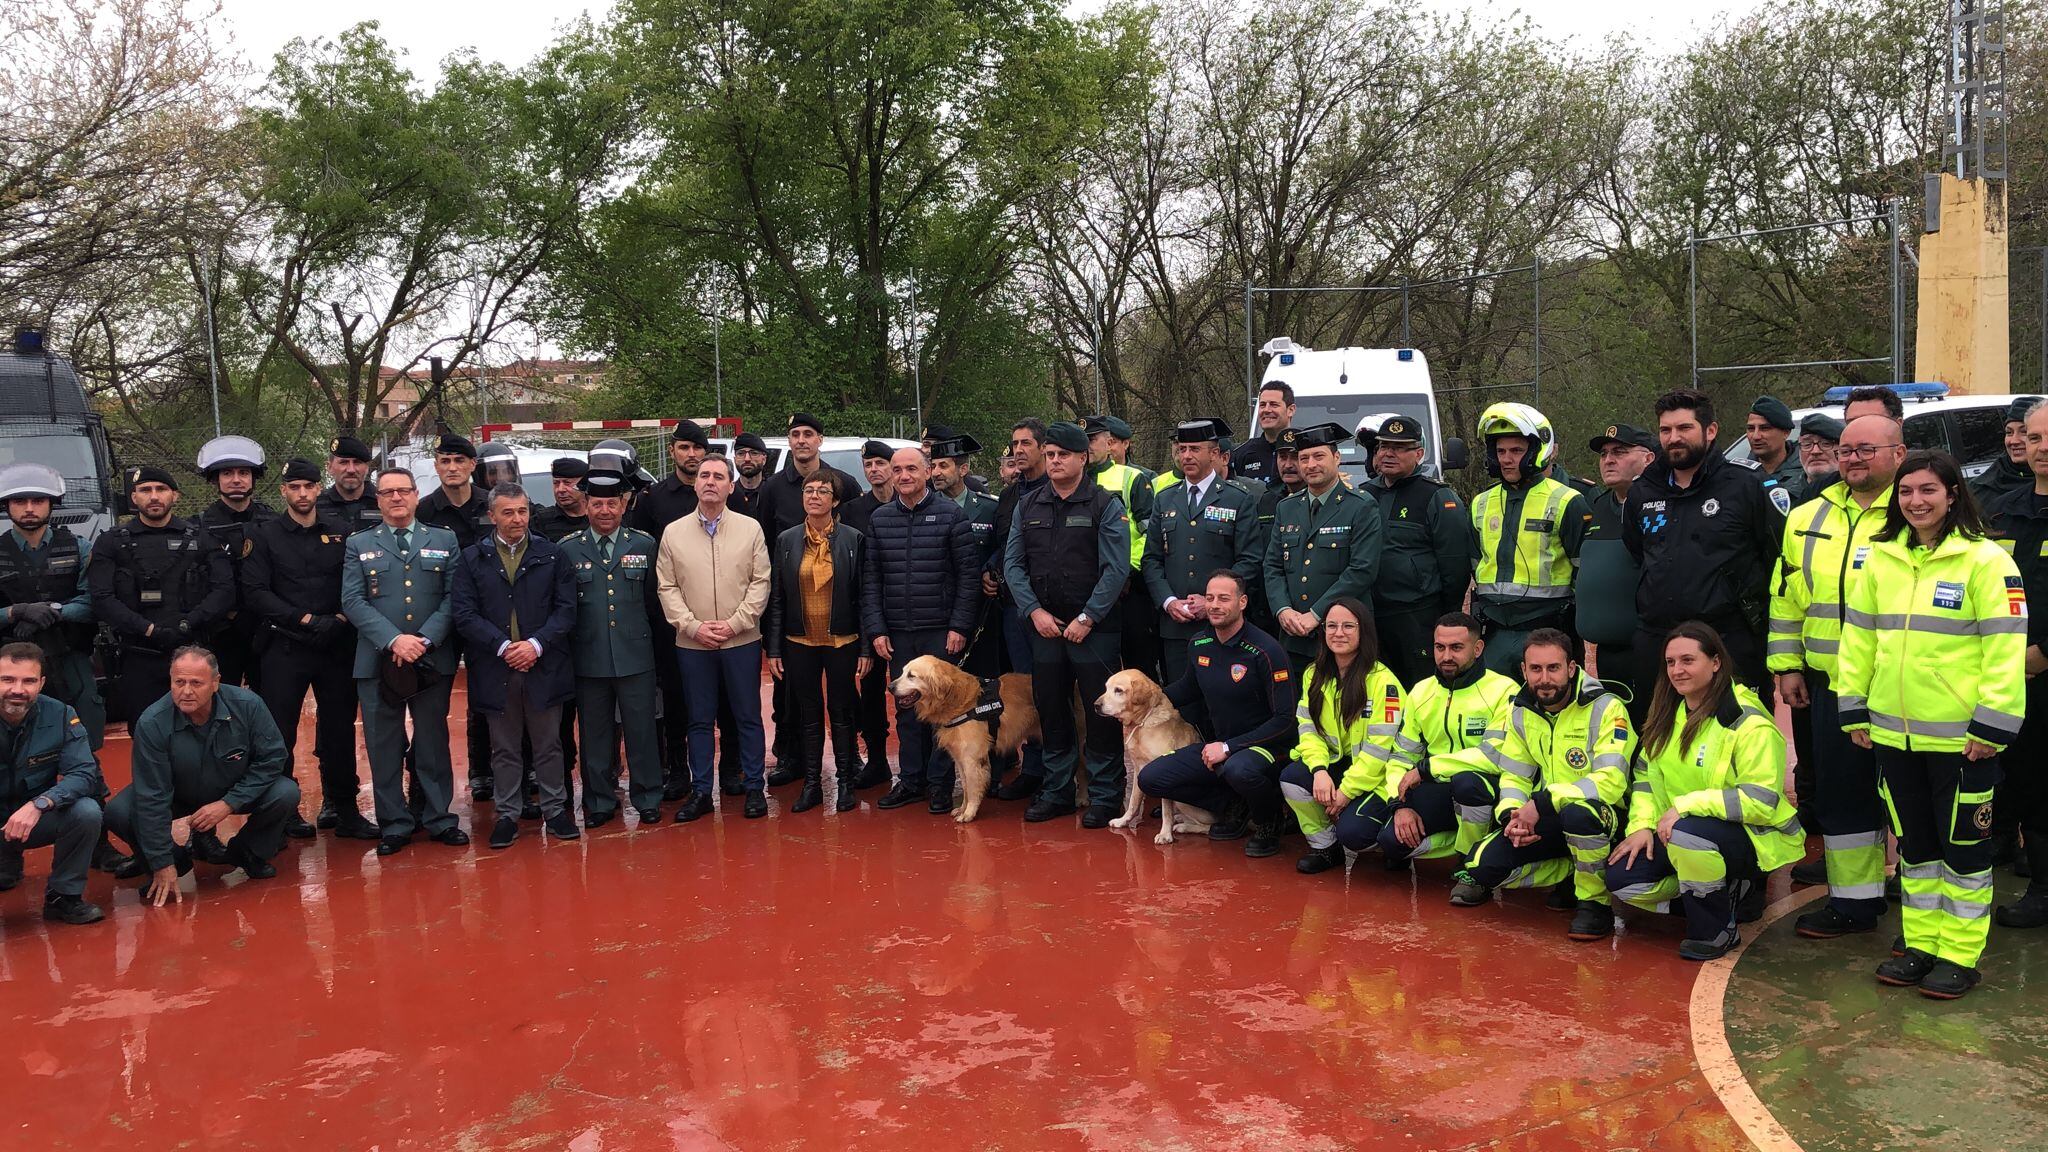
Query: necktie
x=604 y=548
x=405 y=541
x=1194 y=501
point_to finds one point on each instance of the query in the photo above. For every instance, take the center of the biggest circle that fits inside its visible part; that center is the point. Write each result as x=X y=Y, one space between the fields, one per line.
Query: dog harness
x=989 y=707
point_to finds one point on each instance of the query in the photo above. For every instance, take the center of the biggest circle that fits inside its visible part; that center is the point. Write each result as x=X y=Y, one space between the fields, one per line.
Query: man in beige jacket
x=712 y=577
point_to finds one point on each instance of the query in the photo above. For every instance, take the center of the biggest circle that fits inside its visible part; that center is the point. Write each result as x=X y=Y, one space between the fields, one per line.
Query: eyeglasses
x=1866 y=452
x=383 y=492
x=1816 y=446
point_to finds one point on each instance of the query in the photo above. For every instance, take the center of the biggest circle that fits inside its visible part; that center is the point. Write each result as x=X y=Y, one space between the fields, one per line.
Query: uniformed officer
x=1066 y=561
x=1819 y=436
x=292 y=586
x=350 y=502
x=567 y=515
x=934 y=435
x=207 y=751
x=750 y=459
x=461 y=505
x=1604 y=594
x=1243 y=680
x=2019 y=522
x=1769 y=432
x=1200 y=523
x=160 y=581
x=2009 y=473
x=951 y=458
x=1326 y=543
x=1109 y=440
x=1286 y=470
x=233 y=464
x=43 y=585
x=49 y=786
x=874 y=465
x=1530 y=527
x=614 y=652
x=1023 y=470
x=395 y=582
x=1426 y=563
x=1255 y=459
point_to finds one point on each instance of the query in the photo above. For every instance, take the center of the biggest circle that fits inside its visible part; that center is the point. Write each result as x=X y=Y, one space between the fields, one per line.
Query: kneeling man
x=48 y=779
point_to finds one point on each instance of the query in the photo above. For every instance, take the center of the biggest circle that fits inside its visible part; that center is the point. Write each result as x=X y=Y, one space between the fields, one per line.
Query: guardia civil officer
x=614 y=652
x=2009 y=473
x=2019 y=520
x=49 y=784
x=160 y=581
x=1769 y=432
x=567 y=515
x=351 y=501
x=1200 y=523
x=951 y=459
x=1286 y=482
x=1604 y=593
x=43 y=586
x=1529 y=528
x=1066 y=562
x=933 y=436
x=1426 y=563
x=462 y=506
x=291 y=583
x=206 y=751
x=1109 y=442
x=875 y=456
x=1024 y=468
x=1326 y=543
x=233 y=464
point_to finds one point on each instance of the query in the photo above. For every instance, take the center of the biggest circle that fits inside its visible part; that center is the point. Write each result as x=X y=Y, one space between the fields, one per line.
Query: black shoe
x=872 y=774
x=129 y=867
x=71 y=910
x=1043 y=810
x=328 y=816
x=903 y=793
x=392 y=845
x=298 y=829
x=529 y=811
x=1591 y=922
x=1562 y=899
x=480 y=790
x=733 y=786
x=649 y=817
x=784 y=775
x=598 y=819
x=357 y=829
x=1949 y=981
x=1022 y=788
x=812 y=796
x=252 y=865
x=1098 y=816
x=849 y=795
x=1321 y=860
x=1898 y=945
x=940 y=797
x=504 y=832
x=1467 y=893
x=1906 y=971
x=1829 y=922
x=1234 y=824
x=757 y=804
x=451 y=836
x=1264 y=842
x=10 y=866
x=2029 y=911
x=563 y=826
x=1749 y=906
x=1703 y=950
x=698 y=805
x=104 y=857
x=1812 y=873
x=674 y=790
x=206 y=846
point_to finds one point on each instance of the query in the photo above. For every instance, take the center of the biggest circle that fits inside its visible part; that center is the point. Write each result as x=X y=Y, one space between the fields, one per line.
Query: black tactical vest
x=1061 y=555
x=21 y=582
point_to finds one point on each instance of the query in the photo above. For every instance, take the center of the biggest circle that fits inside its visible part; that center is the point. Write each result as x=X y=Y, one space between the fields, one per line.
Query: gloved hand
x=33 y=617
x=184 y=629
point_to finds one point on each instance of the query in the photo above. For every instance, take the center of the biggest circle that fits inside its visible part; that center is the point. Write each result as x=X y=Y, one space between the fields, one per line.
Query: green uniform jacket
x=615 y=603
x=386 y=595
x=1732 y=771
x=1604 y=591
x=1427 y=560
x=1182 y=549
x=1315 y=556
x=51 y=757
x=232 y=758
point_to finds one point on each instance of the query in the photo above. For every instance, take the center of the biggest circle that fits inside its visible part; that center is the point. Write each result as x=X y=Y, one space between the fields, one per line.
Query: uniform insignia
x=1219 y=514
x=1475 y=725
x=434 y=553
x=1862 y=554
x=1202 y=660
x=1576 y=757
x=1981 y=818
x=1613 y=431
x=1237 y=672
x=633 y=560
x=2015 y=597
x=1948 y=594
x=1402 y=515
x=1450 y=503
x=368 y=556
x=1621 y=732
x=1781 y=498
x=248 y=546
x=1280 y=675
x=1710 y=507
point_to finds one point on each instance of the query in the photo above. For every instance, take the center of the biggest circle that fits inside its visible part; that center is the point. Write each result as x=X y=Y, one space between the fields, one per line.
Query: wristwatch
x=42 y=803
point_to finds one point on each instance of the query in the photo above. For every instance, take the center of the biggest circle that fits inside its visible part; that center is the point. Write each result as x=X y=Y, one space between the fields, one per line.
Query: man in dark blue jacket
x=515 y=606
x=48 y=779
x=920 y=597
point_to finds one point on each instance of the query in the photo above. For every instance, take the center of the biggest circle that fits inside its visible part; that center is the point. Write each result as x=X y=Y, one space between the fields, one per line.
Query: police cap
x=1627 y=434
x=1315 y=436
x=1201 y=431
x=954 y=446
x=1399 y=429
x=601 y=482
x=1113 y=425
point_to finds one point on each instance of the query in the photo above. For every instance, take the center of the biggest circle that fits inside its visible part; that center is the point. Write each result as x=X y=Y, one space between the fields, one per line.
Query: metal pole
x=1095 y=347
x=1692 y=299
x=1251 y=387
x=1898 y=304
x=212 y=346
x=1407 y=340
x=1536 y=378
x=916 y=359
x=717 y=371
x=2041 y=254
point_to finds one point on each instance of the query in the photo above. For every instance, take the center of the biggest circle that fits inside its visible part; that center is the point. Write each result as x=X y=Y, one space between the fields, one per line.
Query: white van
x=1344 y=385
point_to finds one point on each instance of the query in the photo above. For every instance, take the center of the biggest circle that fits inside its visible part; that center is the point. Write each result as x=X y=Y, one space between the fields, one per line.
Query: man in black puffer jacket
x=921 y=597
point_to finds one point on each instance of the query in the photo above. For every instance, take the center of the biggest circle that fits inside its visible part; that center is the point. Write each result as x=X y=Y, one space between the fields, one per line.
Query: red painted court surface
x=867 y=980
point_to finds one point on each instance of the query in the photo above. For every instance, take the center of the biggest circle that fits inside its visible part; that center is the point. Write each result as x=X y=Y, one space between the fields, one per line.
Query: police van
x=1344 y=385
x=45 y=419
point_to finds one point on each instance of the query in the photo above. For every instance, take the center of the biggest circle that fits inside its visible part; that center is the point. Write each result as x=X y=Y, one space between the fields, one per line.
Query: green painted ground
x=1846 y=1063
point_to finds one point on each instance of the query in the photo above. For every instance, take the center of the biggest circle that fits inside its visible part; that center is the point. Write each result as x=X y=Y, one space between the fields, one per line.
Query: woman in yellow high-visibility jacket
x=1349 y=714
x=1932 y=676
x=1707 y=816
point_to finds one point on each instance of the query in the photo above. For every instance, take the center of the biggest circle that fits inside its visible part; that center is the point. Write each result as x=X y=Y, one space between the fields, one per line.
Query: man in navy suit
x=515 y=606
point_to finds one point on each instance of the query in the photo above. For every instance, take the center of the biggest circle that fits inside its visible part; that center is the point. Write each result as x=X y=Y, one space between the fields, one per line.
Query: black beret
x=746 y=440
x=1627 y=434
x=1822 y=425
x=348 y=448
x=1068 y=435
x=2016 y=412
x=600 y=482
x=568 y=468
x=149 y=474
x=452 y=445
x=806 y=420
x=1316 y=436
x=299 y=468
x=1201 y=431
x=691 y=432
x=1113 y=425
x=876 y=450
x=1774 y=412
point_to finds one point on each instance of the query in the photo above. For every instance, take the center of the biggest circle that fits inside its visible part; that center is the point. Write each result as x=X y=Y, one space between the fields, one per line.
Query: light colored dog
x=1152 y=728
x=938 y=693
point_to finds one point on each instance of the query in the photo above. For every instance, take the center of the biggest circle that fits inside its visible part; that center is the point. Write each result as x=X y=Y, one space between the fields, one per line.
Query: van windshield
x=1348 y=410
x=68 y=452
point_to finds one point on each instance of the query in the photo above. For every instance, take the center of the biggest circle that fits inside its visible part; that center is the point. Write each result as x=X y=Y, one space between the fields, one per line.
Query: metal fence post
x=1251 y=392
x=1692 y=299
x=1898 y=304
x=1407 y=340
x=1536 y=329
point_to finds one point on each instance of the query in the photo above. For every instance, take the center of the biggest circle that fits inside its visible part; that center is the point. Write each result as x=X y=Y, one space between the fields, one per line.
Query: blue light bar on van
x=1287 y=358
x=1839 y=394
x=1405 y=355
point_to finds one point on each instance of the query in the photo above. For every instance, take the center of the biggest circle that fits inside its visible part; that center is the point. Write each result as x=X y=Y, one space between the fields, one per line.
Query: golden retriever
x=1152 y=728
x=938 y=692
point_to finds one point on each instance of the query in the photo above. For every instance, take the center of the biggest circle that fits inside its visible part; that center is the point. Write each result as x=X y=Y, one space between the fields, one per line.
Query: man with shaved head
x=1826 y=542
x=921 y=596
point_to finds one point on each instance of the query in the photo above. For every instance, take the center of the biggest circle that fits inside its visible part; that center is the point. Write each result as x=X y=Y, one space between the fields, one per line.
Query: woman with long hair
x=1707 y=813
x=1932 y=677
x=812 y=633
x=1349 y=714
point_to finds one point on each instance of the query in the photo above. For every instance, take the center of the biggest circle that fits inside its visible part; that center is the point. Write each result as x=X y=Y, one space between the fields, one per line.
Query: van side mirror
x=1454 y=456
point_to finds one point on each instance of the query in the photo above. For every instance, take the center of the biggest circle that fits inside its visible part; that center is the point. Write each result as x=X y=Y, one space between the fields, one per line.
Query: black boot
x=2031 y=910
x=809 y=739
x=814 y=790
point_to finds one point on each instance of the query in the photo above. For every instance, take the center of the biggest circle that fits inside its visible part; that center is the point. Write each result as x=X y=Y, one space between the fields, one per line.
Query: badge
x=434 y=553
x=1202 y=660
x=1475 y=725
x=633 y=560
x=1781 y=499
x=1576 y=757
x=1237 y=672
x=1220 y=514
x=1710 y=507
x=1862 y=554
x=366 y=557
x=1538 y=525
x=248 y=546
x=1948 y=594
x=1981 y=818
x=2015 y=597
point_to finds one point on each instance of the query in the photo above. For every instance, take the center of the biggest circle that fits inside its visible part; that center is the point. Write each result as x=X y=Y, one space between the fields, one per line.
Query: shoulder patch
x=1752 y=465
x=1781 y=498
x=1280 y=675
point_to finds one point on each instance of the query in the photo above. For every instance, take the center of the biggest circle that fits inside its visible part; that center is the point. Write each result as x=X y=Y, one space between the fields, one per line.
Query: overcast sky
x=513 y=31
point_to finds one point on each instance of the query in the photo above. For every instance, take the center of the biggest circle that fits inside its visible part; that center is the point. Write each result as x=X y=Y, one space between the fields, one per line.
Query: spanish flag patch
x=1280 y=675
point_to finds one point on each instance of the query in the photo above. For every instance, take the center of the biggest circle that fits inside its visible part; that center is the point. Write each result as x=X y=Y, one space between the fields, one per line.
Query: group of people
x=1378 y=665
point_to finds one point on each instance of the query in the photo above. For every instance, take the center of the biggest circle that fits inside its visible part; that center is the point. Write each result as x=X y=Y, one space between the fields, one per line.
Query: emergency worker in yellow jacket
x=1339 y=782
x=1445 y=784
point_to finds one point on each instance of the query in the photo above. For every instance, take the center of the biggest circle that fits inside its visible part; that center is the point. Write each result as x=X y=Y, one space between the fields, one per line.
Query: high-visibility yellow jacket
x=1934 y=645
x=1125 y=480
x=1358 y=753
x=1445 y=727
x=1827 y=539
x=1579 y=753
x=1734 y=771
x=1541 y=526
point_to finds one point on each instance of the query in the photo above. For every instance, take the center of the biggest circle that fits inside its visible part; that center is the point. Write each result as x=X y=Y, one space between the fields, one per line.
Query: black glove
x=322 y=628
x=33 y=617
x=184 y=629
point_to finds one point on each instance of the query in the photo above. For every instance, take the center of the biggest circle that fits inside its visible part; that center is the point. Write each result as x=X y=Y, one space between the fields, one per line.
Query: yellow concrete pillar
x=1962 y=334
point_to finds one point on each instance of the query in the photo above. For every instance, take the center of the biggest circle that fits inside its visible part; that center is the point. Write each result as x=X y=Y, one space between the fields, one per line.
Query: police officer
x=1530 y=527
x=614 y=652
x=1286 y=482
x=1255 y=459
x=750 y=460
x=462 y=506
x=951 y=457
x=233 y=464
x=207 y=751
x=395 y=583
x=1426 y=563
x=1066 y=561
x=1244 y=682
x=1604 y=594
x=160 y=581
x=291 y=583
x=1769 y=432
x=1024 y=467
x=1200 y=523
x=43 y=585
x=874 y=464
x=567 y=515
x=351 y=501
x=1326 y=543
x=935 y=435
x=1109 y=440
x=2019 y=520
x=2009 y=473
x=49 y=786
